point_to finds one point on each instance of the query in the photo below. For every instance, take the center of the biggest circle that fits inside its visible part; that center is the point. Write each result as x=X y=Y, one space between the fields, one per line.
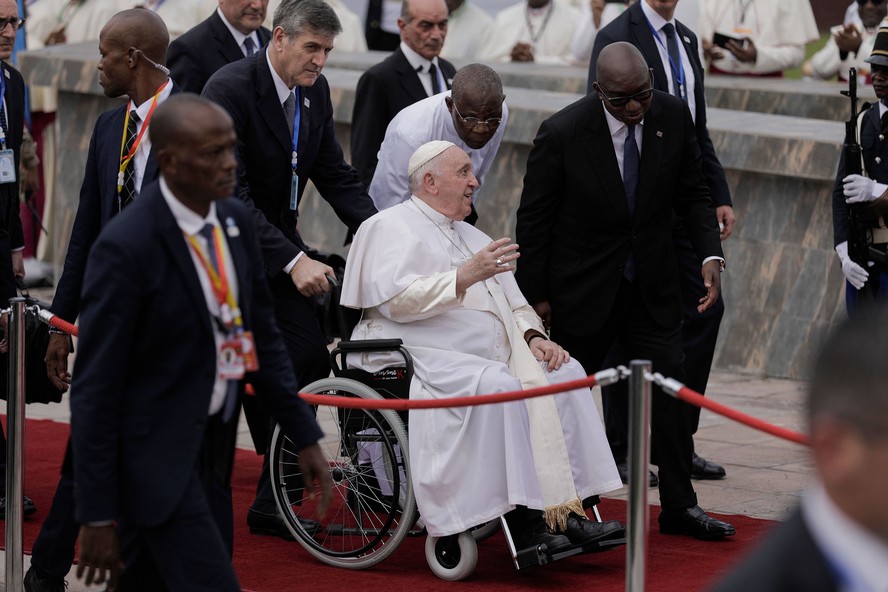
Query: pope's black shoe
x=705 y=469
x=582 y=531
x=694 y=522
x=273 y=525
x=537 y=534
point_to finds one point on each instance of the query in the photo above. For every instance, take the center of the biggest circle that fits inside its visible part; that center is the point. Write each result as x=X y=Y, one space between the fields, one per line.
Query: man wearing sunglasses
x=597 y=257
x=473 y=116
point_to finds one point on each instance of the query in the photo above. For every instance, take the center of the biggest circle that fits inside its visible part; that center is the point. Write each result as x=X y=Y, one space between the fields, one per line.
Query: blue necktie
x=674 y=58
x=250 y=46
x=630 y=184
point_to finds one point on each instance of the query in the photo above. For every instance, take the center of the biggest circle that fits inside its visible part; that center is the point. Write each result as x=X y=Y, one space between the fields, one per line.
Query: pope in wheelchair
x=421 y=274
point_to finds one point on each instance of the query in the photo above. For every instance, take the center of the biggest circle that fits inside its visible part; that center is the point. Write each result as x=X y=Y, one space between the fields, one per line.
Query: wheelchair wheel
x=452 y=558
x=372 y=509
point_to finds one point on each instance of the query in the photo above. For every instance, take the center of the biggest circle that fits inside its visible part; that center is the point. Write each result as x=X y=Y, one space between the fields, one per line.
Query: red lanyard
x=126 y=158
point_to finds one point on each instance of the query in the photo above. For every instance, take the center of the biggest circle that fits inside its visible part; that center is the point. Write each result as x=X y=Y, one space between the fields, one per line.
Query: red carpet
x=263 y=564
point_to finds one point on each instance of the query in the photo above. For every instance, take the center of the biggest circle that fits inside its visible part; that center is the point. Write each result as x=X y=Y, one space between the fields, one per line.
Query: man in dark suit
x=275 y=165
x=597 y=260
x=650 y=26
x=413 y=72
x=133 y=48
x=838 y=538
x=11 y=238
x=163 y=355
x=232 y=32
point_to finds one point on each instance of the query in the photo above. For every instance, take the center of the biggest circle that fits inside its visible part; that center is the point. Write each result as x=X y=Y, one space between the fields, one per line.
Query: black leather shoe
x=623 y=470
x=36 y=581
x=582 y=531
x=273 y=525
x=705 y=469
x=694 y=522
x=28 y=507
x=538 y=535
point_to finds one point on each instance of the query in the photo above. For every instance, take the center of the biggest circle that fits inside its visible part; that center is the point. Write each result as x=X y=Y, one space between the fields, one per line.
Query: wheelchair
x=373 y=507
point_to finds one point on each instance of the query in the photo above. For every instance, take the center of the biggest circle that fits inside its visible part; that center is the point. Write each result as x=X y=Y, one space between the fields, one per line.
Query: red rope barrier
x=407 y=404
x=694 y=398
x=683 y=392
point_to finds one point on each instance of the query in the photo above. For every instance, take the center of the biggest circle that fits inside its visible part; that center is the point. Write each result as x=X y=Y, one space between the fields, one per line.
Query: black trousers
x=192 y=549
x=699 y=334
x=307 y=347
x=630 y=325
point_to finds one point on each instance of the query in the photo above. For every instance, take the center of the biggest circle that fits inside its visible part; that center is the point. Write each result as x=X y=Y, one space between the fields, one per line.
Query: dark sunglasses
x=620 y=101
x=874 y=2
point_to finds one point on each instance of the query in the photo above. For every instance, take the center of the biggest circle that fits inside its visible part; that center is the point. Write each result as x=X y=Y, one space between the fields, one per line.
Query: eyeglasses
x=620 y=101
x=473 y=122
x=874 y=2
x=17 y=23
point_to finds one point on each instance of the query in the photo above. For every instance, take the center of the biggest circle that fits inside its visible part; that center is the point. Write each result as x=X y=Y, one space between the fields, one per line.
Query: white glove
x=859 y=189
x=855 y=274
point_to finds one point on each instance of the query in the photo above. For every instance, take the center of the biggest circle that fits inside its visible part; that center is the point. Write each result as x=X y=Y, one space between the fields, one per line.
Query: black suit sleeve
x=692 y=200
x=185 y=66
x=540 y=203
x=87 y=224
x=369 y=122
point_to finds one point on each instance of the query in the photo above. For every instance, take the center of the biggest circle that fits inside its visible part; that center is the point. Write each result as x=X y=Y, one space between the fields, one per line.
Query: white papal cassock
x=471 y=465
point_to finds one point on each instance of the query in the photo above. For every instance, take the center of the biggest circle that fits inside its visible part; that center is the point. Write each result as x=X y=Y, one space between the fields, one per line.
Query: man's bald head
x=194 y=141
x=624 y=82
x=141 y=29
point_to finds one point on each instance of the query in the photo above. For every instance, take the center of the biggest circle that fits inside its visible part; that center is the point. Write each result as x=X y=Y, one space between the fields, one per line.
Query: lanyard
x=126 y=158
x=231 y=316
x=678 y=70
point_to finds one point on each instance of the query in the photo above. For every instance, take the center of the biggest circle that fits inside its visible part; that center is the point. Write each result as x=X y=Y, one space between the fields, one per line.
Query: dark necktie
x=630 y=183
x=290 y=112
x=250 y=46
x=433 y=72
x=208 y=234
x=128 y=192
x=884 y=120
x=674 y=58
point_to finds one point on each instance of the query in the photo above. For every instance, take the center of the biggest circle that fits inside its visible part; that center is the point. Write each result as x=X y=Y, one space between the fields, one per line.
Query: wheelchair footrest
x=539 y=555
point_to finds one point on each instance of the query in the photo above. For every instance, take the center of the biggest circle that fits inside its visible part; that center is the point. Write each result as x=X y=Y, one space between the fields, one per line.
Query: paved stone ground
x=765 y=474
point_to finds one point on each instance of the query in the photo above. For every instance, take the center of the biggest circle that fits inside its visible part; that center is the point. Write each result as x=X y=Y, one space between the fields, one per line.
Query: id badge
x=248 y=351
x=230 y=360
x=7 y=166
x=294 y=191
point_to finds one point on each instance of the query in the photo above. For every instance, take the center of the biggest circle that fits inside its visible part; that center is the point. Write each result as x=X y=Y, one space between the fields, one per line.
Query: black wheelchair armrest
x=370 y=345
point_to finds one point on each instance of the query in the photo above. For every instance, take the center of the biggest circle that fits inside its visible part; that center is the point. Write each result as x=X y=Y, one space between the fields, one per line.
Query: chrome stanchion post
x=15 y=422
x=639 y=460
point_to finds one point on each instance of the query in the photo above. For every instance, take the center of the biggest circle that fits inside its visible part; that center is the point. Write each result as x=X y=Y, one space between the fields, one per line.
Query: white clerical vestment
x=468 y=27
x=548 y=30
x=413 y=126
x=471 y=464
x=779 y=30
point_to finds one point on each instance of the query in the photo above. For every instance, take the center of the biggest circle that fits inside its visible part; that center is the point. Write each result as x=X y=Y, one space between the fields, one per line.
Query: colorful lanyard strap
x=126 y=158
x=230 y=313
